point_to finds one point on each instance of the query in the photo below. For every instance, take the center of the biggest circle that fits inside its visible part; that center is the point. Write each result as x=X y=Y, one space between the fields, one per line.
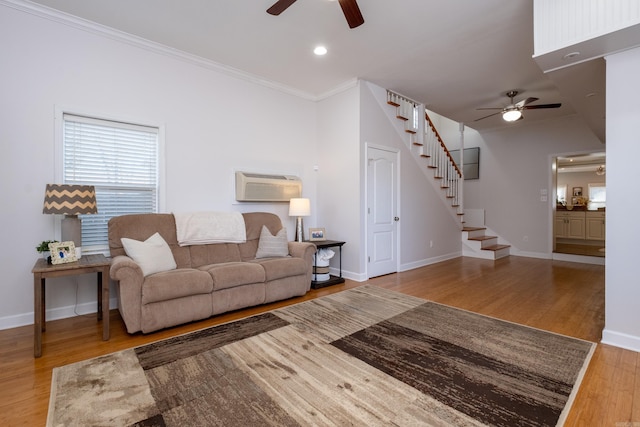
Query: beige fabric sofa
x=209 y=279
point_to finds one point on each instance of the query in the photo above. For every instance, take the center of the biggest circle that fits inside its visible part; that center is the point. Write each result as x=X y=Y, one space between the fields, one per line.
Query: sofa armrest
x=129 y=276
x=304 y=250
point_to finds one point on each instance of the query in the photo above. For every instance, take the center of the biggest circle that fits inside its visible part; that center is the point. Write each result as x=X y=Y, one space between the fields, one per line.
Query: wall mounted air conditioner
x=256 y=187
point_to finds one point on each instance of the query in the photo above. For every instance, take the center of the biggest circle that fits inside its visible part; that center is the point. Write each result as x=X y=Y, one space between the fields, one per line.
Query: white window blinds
x=120 y=160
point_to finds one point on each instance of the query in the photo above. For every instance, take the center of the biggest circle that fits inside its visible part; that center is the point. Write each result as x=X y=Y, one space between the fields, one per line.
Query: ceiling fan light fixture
x=600 y=171
x=511 y=115
x=320 y=50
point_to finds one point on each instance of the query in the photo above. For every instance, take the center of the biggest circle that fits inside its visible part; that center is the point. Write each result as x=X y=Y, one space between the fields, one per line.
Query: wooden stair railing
x=431 y=147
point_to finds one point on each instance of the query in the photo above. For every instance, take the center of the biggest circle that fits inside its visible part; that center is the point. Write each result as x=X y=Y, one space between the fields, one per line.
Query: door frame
x=367 y=147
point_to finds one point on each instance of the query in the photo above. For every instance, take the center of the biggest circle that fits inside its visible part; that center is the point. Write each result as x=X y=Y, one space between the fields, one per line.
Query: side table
x=87 y=264
x=333 y=280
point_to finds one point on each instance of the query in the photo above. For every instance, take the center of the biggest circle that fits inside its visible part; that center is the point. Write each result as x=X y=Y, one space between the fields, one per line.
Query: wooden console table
x=87 y=264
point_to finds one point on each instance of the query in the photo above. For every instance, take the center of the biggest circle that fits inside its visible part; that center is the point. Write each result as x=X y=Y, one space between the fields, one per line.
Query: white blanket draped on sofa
x=201 y=228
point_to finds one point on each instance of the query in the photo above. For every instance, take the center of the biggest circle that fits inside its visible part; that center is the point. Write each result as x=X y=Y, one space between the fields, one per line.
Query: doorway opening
x=580 y=209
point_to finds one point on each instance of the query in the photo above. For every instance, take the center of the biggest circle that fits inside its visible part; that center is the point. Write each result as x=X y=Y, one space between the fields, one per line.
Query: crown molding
x=158 y=48
x=351 y=83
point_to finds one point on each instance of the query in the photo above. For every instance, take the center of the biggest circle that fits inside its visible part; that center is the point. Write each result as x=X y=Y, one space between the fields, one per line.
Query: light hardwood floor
x=557 y=296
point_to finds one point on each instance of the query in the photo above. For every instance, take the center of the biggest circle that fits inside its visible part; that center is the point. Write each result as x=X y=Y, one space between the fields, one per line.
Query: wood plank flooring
x=558 y=296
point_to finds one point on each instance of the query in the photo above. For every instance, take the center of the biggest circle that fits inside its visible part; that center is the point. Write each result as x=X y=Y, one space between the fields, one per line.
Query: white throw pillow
x=153 y=255
x=272 y=246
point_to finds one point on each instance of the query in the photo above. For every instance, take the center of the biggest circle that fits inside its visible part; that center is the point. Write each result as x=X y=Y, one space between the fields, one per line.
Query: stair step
x=474 y=228
x=426 y=156
x=482 y=238
x=395 y=104
x=410 y=131
x=402 y=118
x=419 y=144
x=496 y=247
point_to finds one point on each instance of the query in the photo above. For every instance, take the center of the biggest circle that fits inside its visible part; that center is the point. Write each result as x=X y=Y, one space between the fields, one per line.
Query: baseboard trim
x=24 y=319
x=619 y=339
x=429 y=261
x=578 y=258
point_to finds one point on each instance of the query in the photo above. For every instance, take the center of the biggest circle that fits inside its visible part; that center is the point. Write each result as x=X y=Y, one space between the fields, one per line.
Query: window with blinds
x=120 y=160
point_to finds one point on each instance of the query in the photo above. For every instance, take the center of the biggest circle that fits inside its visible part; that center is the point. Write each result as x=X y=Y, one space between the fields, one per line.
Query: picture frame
x=577 y=191
x=62 y=252
x=316 y=234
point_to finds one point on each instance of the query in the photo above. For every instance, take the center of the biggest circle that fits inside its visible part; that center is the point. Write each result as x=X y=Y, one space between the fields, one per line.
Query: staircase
x=476 y=244
x=430 y=146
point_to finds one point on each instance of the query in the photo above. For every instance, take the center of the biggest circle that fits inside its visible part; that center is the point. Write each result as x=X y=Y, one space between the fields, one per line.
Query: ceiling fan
x=349 y=8
x=513 y=111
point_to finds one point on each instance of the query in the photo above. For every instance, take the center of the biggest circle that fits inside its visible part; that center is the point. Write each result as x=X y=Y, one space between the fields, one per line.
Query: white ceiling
x=453 y=56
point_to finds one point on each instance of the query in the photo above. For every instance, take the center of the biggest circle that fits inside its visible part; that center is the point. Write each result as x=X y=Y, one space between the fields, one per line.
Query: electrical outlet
x=430 y=243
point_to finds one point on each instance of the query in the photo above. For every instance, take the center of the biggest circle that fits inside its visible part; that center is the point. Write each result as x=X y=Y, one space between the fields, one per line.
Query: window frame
x=597 y=203
x=60 y=111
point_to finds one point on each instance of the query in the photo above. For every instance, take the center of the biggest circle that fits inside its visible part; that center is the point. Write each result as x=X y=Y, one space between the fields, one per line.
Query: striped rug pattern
x=364 y=357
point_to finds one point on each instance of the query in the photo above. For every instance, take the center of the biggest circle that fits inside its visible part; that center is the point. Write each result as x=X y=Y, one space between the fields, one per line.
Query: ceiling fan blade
x=280 y=6
x=351 y=12
x=525 y=102
x=485 y=117
x=533 y=107
x=490 y=108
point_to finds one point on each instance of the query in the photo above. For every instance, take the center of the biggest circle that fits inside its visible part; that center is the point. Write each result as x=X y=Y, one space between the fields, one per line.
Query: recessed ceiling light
x=571 y=55
x=320 y=50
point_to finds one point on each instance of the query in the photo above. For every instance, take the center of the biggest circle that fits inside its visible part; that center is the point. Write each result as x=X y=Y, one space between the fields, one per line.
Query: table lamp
x=70 y=201
x=299 y=208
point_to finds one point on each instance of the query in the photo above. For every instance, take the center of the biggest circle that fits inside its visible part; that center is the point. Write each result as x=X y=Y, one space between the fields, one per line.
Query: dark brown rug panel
x=488 y=389
x=553 y=355
x=172 y=349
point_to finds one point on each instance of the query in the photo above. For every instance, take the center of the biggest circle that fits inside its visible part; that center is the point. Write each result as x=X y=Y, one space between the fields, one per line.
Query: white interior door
x=382 y=211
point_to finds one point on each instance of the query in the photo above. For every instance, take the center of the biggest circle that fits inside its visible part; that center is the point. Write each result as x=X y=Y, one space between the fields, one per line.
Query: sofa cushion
x=277 y=268
x=253 y=222
x=272 y=246
x=153 y=255
x=175 y=284
x=213 y=254
x=232 y=274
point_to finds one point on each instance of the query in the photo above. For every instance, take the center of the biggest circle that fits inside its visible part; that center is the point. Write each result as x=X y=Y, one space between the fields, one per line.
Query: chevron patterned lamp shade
x=71 y=201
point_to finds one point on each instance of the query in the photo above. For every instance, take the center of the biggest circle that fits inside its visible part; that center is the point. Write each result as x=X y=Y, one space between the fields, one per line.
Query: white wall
x=622 y=316
x=338 y=176
x=424 y=218
x=214 y=123
x=515 y=164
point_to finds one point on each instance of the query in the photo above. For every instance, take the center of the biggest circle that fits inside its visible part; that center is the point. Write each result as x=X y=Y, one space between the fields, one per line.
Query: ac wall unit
x=255 y=187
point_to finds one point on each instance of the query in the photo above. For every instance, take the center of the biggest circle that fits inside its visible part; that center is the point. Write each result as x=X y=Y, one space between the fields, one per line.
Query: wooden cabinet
x=570 y=225
x=595 y=225
x=589 y=225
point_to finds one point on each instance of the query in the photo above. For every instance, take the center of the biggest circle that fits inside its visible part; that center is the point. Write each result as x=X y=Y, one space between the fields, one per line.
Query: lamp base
x=299 y=230
x=72 y=231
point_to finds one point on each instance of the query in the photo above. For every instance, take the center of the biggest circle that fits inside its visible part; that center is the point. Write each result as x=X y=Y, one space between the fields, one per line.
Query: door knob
x=395 y=218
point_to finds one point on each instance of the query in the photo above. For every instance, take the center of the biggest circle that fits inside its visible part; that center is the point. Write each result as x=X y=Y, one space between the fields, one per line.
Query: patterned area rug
x=366 y=357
